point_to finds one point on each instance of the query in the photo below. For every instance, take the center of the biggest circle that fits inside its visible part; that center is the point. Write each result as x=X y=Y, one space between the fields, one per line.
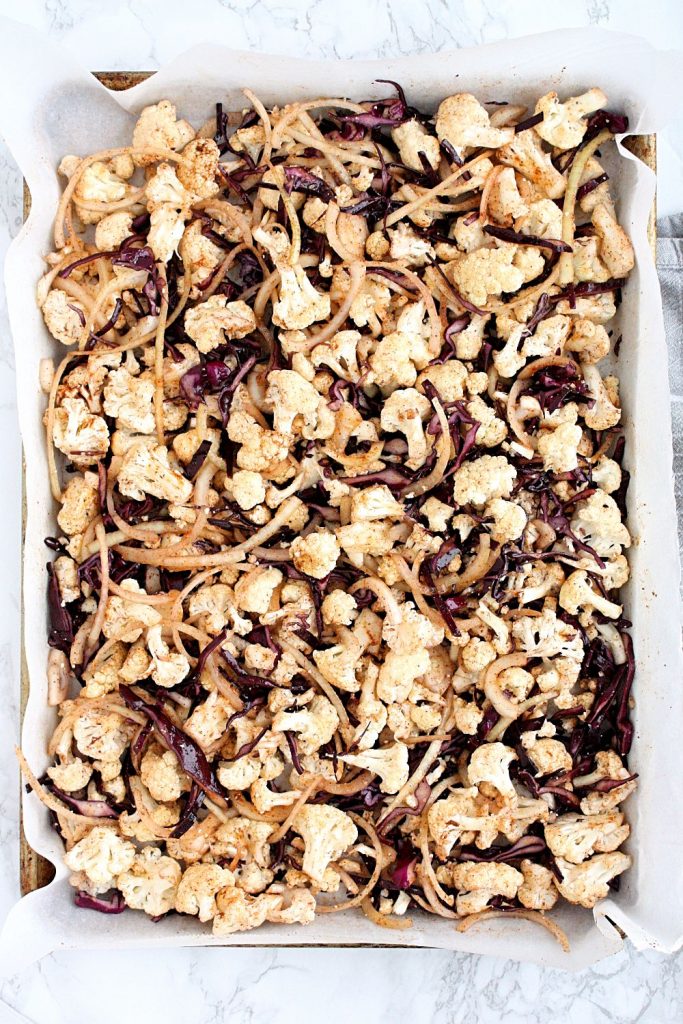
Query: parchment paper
x=51 y=107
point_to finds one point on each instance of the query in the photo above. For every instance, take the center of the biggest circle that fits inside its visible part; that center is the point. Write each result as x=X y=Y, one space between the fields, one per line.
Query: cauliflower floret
x=199 y=254
x=157 y=128
x=597 y=522
x=315 y=554
x=400 y=354
x=509 y=520
x=481 y=882
x=254 y=590
x=339 y=664
x=339 y=354
x=492 y=430
x=113 y=229
x=477 y=482
x=247 y=488
x=216 y=607
x=371 y=538
x=125 y=618
x=390 y=763
x=72 y=776
x=563 y=125
x=398 y=674
x=299 y=304
x=339 y=608
x=129 y=400
x=408 y=247
x=587 y=883
x=490 y=764
x=462 y=121
x=461 y=812
x=291 y=396
x=527 y=156
x=608 y=766
x=577 y=593
x=606 y=474
x=198 y=889
x=213 y=321
x=167 y=669
x=548 y=756
x=98 y=184
x=590 y=341
x=327 y=833
x=239 y=774
x=80 y=504
x=505 y=202
x=467 y=716
x=249 y=140
x=538 y=890
x=558 y=448
x=102 y=675
x=437 y=514
x=448 y=378
x=404 y=411
x=66 y=571
x=151 y=882
x=586 y=262
x=209 y=720
x=145 y=469
x=315 y=724
x=82 y=436
x=545 y=636
x=544 y=220
x=199 y=167
x=64 y=317
x=413 y=633
x=486 y=273
x=238 y=912
x=412 y=138
x=616 y=250
x=375 y=502
x=162 y=775
x=102 y=855
x=100 y=734
x=604 y=412
x=575 y=837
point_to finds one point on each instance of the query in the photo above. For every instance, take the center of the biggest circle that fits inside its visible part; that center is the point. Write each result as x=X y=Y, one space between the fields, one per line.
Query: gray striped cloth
x=670 y=269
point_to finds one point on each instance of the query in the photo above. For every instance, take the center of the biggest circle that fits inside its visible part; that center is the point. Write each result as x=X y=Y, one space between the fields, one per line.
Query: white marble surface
x=252 y=986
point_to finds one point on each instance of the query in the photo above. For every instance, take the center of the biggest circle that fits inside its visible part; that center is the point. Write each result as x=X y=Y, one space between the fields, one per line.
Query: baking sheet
x=61 y=108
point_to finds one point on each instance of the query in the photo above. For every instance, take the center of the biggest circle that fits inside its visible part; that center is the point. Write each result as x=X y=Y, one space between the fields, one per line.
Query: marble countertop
x=251 y=986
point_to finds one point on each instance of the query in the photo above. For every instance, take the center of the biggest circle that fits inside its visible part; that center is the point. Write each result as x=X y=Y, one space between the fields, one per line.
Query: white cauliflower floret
x=315 y=724
x=125 y=618
x=151 y=882
x=129 y=400
x=72 y=776
x=437 y=513
x=315 y=554
x=563 y=126
x=462 y=121
x=587 y=883
x=449 y=379
x=608 y=766
x=590 y=341
x=374 y=502
x=338 y=665
x=604 y=412
x=527 y=156
x=548 y=756
x=254 y=590
x=239 y=774
x=145 y=469
x=198 y=889
x=66 y=571
x=157 y=128
x=239 y=912
x=199 y=167
x=100 y=734
x=412 y=138
x=616 y=250
x=544 y=220
x=102 y=855
x=558 y=448
x=413 y=633
x=199 y=254
x=298 y=304
x=467 y=716
x=327 y=833
x=216 y=319
x=461 y=812
x=404 y=411
x=168 y=669
x=490 y=764
x=98 y=184
x=169 y=204
x=401 y=353
x=291 y=396
x=486 y=273
x=247 y=488
x=477 y=482
x=209 y=720
x=509 y=520
x=215 y=606
x=606 y=474
x=398 y=674
x=505 y=202
x=545 y=636
x=340 y=354
x=577 y=593
x=481 y=882
x=339 y=608
x=408 y=247
x=64 y=317
x=113 y=229
x=390 y=763
x=80 y=504
x=538 y=891
x=82 y=436
x=102 y=676
x=597 y=522
x=492 y=430
x=574 y=837
x=162 y=775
